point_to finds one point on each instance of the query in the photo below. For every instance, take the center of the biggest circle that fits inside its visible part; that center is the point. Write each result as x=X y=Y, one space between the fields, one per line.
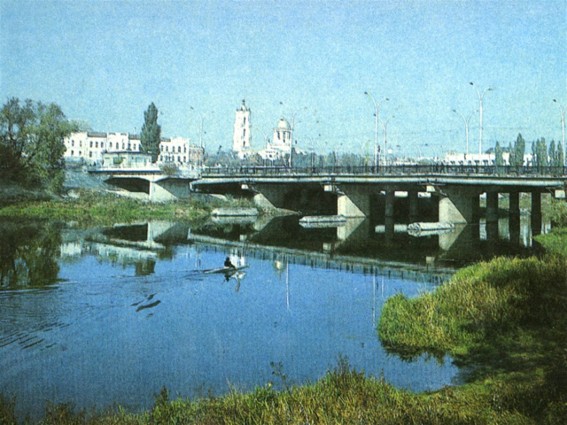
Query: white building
x=485 y=159
x=90 y=146
x=242 y=135
x=94 y=148
x=282 y=141
x=180 y=151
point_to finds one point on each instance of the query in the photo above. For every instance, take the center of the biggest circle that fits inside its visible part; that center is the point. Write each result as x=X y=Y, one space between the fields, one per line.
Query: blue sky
x=105 y=61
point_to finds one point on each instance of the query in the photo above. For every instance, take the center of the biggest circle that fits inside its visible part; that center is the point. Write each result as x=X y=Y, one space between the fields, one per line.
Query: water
x=102 y=316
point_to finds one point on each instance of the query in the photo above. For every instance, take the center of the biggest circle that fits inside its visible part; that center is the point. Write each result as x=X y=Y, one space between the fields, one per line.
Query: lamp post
x=562 y=111
x=376 y=120
x=292 y=130
x=386 y=139
x=466 y=121
x=480 y=98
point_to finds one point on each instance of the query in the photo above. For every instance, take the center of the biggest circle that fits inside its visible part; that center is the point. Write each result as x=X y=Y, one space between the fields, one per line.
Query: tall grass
x=96 y=208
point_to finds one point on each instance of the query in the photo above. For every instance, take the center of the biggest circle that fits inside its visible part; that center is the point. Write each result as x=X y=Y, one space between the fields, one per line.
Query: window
x=72 y=153
x=91 y=143
x=96 y=144
x=179 y=149
x=72 y=143
x=110 y=144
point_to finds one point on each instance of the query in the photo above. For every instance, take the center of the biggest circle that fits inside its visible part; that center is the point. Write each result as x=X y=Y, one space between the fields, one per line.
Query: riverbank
x=95 y=207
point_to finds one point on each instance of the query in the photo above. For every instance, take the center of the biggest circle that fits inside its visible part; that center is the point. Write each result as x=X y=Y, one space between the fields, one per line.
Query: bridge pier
x=352 y=201
x=459 y=205
x=491 y=207
x=168 y=190
x=536 y=221
x=413 y=199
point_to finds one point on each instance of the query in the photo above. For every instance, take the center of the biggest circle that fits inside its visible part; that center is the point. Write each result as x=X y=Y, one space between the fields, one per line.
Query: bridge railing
x=409 y=169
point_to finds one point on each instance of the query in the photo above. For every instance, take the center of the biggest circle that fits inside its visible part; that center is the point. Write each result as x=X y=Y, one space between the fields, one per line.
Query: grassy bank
x=91 y=207
x=504 y=322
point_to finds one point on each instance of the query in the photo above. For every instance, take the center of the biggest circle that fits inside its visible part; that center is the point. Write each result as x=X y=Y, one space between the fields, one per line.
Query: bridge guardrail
x=410 y=169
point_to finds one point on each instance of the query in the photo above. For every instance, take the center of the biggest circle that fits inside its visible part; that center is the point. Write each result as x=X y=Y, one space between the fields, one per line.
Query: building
x=90 y=146
x=281 y=143
x=180 y=152
x=111 y=149
x=484 y=159
x=242 y=135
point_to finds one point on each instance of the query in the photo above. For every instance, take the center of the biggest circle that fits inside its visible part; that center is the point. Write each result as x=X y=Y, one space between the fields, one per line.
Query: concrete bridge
x=396 y=191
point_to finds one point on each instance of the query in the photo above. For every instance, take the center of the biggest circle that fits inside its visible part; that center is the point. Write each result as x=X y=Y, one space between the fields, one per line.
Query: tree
x=151 y=133
x=31 y=143
x=552 y=154
x=539 y=151
x=519 y=151
x=560 y=155
x=498 y=157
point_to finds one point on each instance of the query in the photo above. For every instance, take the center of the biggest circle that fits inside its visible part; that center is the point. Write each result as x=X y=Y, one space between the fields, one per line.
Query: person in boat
x=228 y=263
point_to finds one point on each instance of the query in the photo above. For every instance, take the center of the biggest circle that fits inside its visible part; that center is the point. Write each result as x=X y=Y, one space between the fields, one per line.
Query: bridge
x=384 y=191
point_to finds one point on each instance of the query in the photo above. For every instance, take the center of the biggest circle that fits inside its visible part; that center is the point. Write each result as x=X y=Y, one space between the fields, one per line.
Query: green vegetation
x=95 y=208
x=504 y=322
x=31 y=144
x=151 y=132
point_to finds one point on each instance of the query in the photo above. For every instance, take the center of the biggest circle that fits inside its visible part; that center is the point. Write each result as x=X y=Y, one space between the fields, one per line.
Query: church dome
x=283 y=124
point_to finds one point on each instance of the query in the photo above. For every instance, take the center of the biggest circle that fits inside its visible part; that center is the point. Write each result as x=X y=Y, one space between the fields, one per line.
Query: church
x=280 y=145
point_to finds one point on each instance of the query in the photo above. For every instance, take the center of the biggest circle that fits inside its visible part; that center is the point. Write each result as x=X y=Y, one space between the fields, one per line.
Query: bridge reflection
x=355 y=246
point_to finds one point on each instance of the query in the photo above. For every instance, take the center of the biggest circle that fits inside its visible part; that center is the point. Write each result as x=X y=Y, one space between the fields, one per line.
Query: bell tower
x=242 y=137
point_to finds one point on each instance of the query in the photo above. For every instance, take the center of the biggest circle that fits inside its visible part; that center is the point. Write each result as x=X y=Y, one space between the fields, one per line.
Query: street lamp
x=386 y=139
x=480 y=98
x=562 y=110
x=376 y=120
x=466 y=121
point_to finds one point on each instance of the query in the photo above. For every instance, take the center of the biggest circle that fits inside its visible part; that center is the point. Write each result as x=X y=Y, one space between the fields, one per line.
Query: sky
x=311 y=62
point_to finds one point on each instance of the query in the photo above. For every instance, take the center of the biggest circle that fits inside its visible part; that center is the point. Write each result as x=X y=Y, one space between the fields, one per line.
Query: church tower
x=242 y=137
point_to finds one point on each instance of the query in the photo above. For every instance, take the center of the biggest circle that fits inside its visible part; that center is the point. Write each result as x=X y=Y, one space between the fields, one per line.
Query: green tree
x=151 y=133
x=552 y=154
x=560 y=155
x=539 y=151
x=512 y=156
x=498 y=157
x=519 y=151
x=31 y=143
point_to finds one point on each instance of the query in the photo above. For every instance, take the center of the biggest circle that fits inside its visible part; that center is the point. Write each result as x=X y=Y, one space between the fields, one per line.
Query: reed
x=96 y=208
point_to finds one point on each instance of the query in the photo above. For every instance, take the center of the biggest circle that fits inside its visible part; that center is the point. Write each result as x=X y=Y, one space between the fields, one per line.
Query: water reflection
x=28 y=254
x=305 y=298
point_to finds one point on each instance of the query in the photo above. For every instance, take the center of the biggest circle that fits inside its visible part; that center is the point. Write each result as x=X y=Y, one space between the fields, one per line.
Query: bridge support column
x=492 y=207
x=458 y=205
x=514 y=207
x=353 y=201
x=159 y=194
x=536 y=213
x=413 y=205
x=269 y=196
x=390 y=200
x=514 y=217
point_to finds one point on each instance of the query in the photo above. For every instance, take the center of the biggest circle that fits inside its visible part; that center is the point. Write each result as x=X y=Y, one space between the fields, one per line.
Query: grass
x=96 y=208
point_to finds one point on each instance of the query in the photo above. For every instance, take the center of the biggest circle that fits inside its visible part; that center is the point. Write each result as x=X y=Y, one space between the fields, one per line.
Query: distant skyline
x=104 y=62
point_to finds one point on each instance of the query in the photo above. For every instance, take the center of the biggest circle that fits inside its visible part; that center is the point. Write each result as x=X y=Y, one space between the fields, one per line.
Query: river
x=104 y=315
